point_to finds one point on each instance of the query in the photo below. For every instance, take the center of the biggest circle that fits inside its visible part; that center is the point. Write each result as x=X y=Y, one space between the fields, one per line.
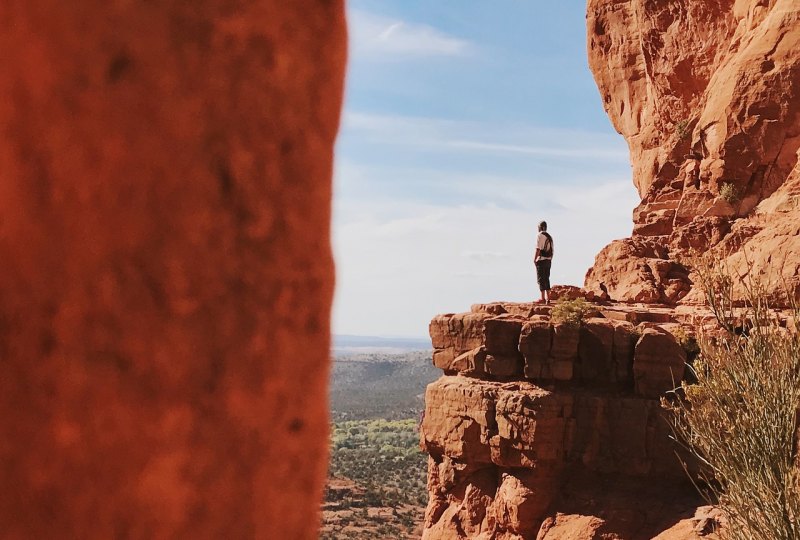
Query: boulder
x=522 y=499
x=501 y=334
x=565 y=341
x=471 y=363
x=566 y=292
x=535 y=340
x=459 y=418
x=455 y=334
x=460 y=331
x=463 y=512
x=531 y=424
x=658 y=362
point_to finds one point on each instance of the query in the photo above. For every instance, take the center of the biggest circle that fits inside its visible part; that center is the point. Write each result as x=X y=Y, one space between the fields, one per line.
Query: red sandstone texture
x=541 y=429
x=707 y=95
x=166 y=271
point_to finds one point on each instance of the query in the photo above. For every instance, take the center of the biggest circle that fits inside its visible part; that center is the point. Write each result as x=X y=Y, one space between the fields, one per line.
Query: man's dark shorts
x=543 y=274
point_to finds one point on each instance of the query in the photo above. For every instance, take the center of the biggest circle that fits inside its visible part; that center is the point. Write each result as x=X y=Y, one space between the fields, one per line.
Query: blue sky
x=465 y=124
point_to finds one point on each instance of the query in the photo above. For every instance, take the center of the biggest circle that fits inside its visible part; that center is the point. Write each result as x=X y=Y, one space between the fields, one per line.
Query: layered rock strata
x=707 y=95
x=529 y=404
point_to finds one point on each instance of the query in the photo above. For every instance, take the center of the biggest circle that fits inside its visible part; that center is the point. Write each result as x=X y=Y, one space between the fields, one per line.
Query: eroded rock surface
x=707 y=95
x=578 y=406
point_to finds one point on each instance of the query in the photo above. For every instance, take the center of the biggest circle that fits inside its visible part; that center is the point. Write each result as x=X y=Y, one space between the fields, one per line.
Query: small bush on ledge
x=570 y=312
x=729 y=192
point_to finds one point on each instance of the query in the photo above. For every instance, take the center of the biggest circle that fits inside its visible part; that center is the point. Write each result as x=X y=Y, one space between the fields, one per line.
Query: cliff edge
x=544 y=428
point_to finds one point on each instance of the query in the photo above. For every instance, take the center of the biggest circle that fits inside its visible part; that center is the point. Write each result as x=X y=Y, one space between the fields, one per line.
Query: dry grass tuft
x=740 y=419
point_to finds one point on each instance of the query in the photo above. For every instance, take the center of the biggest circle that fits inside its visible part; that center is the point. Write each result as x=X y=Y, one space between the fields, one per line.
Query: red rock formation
x=707 y=94
x=167 y=275
x=572 y=402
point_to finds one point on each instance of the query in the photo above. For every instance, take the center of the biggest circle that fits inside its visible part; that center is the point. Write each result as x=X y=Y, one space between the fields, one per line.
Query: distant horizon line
x=382 y=336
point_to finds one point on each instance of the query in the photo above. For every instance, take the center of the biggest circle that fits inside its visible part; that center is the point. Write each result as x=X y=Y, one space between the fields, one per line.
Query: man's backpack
x=547 y=251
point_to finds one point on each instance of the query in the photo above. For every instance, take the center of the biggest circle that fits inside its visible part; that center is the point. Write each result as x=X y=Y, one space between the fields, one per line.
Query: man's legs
x=543 y=277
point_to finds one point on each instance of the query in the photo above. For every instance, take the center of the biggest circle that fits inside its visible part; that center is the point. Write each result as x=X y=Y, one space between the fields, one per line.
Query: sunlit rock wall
x=707 y=95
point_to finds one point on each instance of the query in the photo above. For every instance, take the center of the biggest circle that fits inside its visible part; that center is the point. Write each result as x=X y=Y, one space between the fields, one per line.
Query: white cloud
x=401 y=262
x=599 y=153
x=416 y=233
x=374 y=36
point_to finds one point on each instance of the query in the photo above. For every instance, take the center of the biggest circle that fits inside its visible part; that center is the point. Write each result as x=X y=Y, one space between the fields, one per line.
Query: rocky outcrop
x=530 y=407
x=707 y=95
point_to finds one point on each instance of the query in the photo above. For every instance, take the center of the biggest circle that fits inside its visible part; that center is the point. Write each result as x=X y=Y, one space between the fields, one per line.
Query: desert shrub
x=740 y=418
x=570 y=312
x=729 y=192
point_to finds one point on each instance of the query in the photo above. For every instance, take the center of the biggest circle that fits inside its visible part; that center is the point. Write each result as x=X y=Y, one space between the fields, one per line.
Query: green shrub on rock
x=570 y=312
x=729 y=192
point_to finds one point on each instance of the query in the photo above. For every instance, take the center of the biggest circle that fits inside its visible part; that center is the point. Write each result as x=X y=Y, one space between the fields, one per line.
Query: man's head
x=542 y=225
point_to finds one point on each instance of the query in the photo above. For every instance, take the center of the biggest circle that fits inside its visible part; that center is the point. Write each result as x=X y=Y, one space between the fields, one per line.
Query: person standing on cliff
x=542 y=260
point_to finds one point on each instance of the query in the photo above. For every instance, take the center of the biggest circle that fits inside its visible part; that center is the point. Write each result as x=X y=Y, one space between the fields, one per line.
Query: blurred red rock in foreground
x=166 y=270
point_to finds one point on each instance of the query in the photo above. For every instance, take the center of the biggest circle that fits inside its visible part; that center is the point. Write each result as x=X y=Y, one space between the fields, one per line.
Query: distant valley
x=349 y=344
x=376 y=482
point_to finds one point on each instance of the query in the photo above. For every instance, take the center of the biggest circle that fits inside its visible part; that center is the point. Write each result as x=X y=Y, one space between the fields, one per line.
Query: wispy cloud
x=374 y=36
x=484 y=255
x=472 y=136
x=595 y=153
x=437 y=211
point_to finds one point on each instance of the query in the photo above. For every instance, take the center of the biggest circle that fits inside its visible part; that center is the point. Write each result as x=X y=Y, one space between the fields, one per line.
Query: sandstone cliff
x=540 y=428
x=707 y=95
